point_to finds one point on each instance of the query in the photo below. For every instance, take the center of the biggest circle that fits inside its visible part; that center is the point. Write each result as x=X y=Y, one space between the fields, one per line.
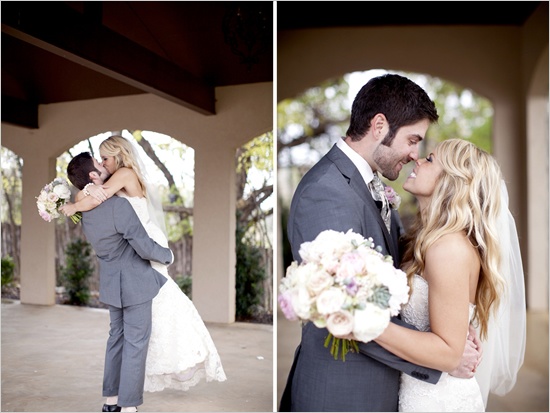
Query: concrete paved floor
x=530 y=394
x=52 y=361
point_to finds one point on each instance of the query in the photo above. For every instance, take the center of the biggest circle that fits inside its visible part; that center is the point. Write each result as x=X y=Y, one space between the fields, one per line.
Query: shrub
x=250 y=275
x=75 y=276
x=185 y=283
x=8 y=269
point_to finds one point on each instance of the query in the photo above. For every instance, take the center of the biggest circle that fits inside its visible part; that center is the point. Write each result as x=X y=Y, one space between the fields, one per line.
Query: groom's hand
x=470 y=358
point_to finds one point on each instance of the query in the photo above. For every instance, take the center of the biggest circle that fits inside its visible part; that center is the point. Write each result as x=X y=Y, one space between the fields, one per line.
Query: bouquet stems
x=76 y=218
x=341 y=343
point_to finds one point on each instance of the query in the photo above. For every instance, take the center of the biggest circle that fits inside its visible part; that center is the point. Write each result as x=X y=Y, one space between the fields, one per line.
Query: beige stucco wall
x=243 y=112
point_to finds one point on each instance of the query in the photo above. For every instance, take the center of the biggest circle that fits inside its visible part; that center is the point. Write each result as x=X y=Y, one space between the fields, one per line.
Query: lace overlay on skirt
x=450 y=394
x=181 y=351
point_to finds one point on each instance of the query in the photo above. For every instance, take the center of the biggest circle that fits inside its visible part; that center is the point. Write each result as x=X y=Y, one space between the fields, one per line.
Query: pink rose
x=340 y=324
x=351 y=264
x=45 y=216
x=285 y=302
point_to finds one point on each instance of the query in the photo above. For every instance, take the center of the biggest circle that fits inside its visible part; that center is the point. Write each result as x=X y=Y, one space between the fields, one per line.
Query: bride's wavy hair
x=466 y=198
x=125 y=156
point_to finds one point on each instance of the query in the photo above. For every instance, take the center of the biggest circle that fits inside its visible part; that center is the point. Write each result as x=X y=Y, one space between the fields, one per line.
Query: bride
x=458 y=262
x=181 y=351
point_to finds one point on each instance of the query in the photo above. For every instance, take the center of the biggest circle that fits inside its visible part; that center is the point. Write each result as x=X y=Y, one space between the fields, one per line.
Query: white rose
x=370 y=322
x=374 y=263
x=290 y=278
x=340 y=323
x=318 y=281
x=328 y=246
x=50 y=205
x=396 y=281
x=62 y=191
x=330 y=301
x=52 y=197
x=301 y=302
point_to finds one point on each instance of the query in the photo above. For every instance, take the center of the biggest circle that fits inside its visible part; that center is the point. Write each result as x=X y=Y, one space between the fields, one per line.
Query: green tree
x=12 y=172
x=254 y=251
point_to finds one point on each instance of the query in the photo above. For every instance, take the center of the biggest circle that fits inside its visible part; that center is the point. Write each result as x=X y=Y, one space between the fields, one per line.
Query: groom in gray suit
x=389 y=118
x=127 y=285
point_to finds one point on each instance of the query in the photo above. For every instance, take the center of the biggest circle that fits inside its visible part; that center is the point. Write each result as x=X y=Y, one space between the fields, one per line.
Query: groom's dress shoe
x=111 y=408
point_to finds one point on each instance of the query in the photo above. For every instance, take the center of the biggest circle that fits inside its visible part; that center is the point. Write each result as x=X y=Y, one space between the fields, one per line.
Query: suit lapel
x=357 y=183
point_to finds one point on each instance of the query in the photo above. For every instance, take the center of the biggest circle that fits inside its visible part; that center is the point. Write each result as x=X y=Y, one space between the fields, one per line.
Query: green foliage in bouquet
x=78 y=270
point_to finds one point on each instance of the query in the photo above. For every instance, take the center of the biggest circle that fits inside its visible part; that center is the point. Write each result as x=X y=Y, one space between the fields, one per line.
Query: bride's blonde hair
x=466 y=198
x=125 y=156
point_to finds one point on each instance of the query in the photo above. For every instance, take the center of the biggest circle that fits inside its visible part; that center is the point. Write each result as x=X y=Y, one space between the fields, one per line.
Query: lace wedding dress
x=450 y=394
x=181 y=351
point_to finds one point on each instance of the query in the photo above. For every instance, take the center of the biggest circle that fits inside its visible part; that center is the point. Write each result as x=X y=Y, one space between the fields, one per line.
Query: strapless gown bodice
x=450 y=394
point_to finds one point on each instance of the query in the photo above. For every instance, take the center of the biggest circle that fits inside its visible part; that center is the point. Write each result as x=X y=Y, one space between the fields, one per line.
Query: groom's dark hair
x=401 y=101
x=79 y=169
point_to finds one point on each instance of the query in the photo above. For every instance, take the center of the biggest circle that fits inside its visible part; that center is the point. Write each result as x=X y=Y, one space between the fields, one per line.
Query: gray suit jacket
x=333 y=195
x=124 y=250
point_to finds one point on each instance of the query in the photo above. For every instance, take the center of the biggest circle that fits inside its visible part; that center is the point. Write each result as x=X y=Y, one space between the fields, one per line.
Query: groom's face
x=403 y=149
x=103 y=173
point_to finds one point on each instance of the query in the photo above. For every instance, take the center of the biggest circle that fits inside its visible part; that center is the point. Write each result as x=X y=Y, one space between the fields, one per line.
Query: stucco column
x=538 y=204
x=214 y=226
x=37 y=236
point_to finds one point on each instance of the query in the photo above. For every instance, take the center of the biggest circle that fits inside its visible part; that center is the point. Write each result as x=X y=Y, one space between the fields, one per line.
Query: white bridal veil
x=154 y=201
x=504 y=349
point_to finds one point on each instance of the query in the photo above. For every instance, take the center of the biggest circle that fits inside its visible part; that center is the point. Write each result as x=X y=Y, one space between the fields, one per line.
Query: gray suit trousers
x=126 y=353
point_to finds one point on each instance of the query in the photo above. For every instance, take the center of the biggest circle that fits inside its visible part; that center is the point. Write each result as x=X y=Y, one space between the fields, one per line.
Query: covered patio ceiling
x=66 y=51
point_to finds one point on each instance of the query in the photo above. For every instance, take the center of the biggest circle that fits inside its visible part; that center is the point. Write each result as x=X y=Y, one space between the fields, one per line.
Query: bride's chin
x=408 y=188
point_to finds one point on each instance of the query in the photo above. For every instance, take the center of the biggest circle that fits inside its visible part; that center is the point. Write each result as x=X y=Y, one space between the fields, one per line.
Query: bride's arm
x=448 y=264
x=119 y=180
x=82 y=203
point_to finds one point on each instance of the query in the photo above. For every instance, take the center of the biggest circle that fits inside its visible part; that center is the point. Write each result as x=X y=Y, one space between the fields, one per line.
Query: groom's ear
x=380 y=126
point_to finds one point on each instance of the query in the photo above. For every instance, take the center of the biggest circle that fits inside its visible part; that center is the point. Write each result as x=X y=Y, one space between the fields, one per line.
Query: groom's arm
x=380 y=354
x=128 y=224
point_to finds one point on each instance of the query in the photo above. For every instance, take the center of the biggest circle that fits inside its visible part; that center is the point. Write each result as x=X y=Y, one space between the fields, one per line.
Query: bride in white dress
x=181 y=351
x=458 y=263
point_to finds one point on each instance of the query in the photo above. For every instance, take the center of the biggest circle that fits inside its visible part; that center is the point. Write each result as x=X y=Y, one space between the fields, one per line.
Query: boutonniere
x=393 y=197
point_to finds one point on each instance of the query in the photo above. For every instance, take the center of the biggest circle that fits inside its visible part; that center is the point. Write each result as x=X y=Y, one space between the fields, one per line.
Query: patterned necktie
x=378 y=193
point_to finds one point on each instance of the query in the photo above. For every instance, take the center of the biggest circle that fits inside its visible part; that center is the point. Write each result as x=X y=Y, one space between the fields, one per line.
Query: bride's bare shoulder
x=125 y=172
x=452 y=247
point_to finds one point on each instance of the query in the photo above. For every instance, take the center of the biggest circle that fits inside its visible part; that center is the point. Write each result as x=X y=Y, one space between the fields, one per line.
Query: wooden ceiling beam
x=19 y=112
x=58 y=29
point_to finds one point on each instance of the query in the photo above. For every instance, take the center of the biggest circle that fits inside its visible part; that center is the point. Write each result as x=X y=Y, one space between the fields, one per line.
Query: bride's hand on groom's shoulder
x=98 y=192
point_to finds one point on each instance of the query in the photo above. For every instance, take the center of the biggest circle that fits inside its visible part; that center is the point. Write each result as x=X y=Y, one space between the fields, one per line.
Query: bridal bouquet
x=51 y=197
x=346 y=285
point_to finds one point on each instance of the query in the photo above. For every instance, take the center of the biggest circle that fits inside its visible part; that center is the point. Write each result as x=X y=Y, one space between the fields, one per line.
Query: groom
x=127 y=285
x=389 y=118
